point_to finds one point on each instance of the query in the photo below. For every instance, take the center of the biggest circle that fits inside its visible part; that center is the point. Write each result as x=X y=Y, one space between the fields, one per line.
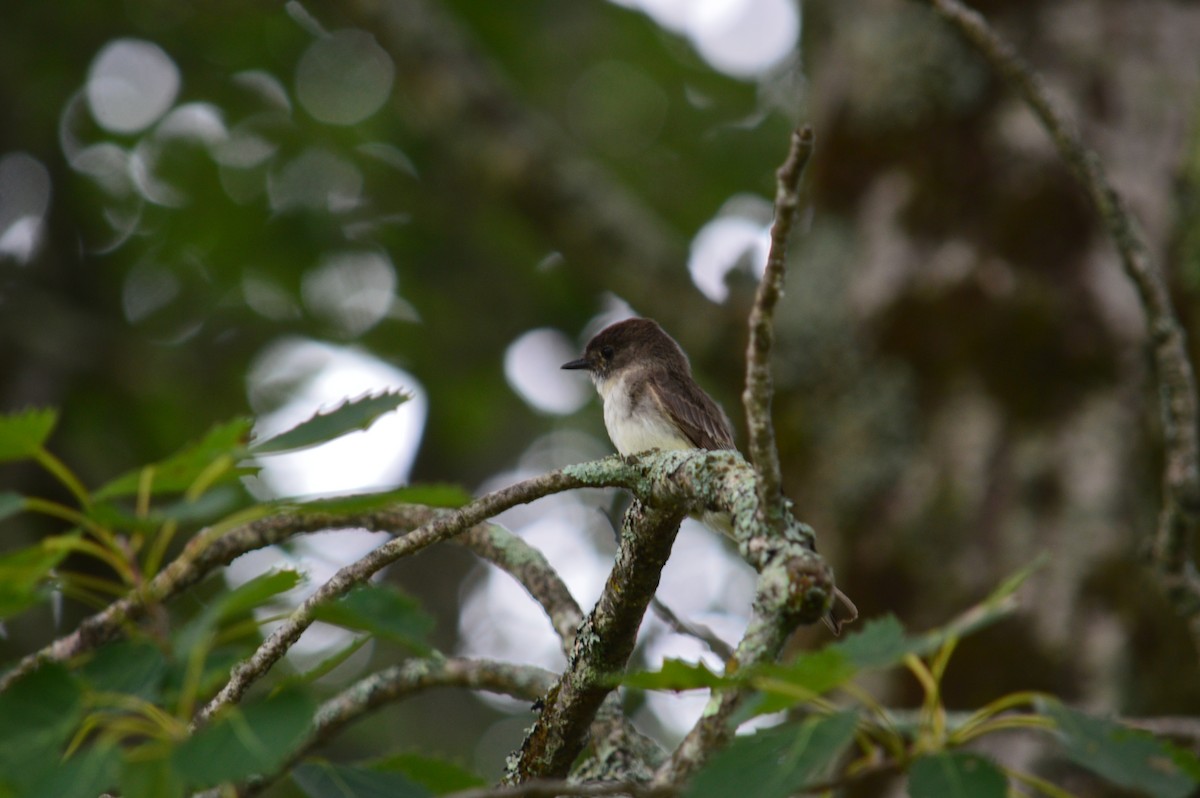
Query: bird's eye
x=606 y=352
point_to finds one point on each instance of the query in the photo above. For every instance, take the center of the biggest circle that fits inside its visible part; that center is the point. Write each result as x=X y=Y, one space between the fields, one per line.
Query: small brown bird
x=651 y=401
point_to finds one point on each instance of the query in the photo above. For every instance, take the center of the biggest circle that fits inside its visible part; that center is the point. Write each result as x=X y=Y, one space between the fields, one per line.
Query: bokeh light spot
x=738 y=237
x=24 y=199
x=316 y=179
x=313 y=376
x=744 y=38
x=344 y=78
x=533 y=367
x=130 y=84
x=352 y=290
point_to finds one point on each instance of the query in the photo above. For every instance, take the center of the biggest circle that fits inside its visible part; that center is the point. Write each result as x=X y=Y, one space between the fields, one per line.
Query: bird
x=651 y=401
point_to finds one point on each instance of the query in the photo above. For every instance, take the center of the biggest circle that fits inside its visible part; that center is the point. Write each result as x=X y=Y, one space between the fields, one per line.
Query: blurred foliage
x=961 y=370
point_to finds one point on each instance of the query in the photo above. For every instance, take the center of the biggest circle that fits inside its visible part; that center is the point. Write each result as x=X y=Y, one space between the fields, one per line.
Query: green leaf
x=678 y=675
x=11 y=504
x=150 y=778
x=781 y=759
x=437 y=775
x=327 y=780
x=382 y=611
x=23 y=574
x=85 y=775
x=219 y=450
x=881 y=643
x=330 y=663
x=235 y=604
x=999 y=604
x=23 y=434
x=806 y=677
x=1124 y=756
x=131 y=668
x=956 y=774
x=428 y=495
x=351 y=416
x=243 y=742
x=37 y=715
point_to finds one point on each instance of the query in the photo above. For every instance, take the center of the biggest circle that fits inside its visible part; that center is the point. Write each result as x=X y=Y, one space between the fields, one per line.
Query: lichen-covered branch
x=771 y=623
x=682 y=480
x=205 y=552
x=439 y=528
x=1174 y=543
x=529 y=567
x=558 y=788
x=199 y=557
x=756 y=398
x=603 y=646
x=401 y=681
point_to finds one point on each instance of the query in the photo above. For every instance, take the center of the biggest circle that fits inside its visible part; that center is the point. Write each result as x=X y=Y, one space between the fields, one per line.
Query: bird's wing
x=695 y=413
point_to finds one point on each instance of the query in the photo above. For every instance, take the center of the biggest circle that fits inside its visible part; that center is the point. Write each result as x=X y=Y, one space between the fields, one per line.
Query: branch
x=688 y=480
x=401 y=681
x=757 y=396
x=553 y=788
x=1173 y=546
x=694 y=630
x=768 y=630
x=200 y=556
x=440 y=528
x=529 y=567
x=603 y=645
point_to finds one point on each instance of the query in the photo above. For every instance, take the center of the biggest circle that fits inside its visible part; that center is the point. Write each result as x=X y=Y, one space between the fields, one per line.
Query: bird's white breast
x=635 y=423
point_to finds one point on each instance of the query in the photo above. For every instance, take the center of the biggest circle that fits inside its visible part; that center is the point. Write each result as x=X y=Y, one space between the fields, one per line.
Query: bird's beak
x=581 y=363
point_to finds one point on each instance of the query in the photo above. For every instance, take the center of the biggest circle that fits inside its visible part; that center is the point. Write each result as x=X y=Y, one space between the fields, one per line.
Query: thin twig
x=530 y=568
x=440 y=528
x=1174 y=542
x=399 y=682
x=759 y=388
x=199 y=557
x=695 y=630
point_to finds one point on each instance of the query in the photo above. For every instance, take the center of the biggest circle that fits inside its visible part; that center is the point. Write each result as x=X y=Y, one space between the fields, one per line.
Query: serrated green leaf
x=235 y=603
x=437 y=775
x=224 y=444
x=327 y=780
x=383 y=611
x=678 y=675
x=243 y=742
x=11 y=504
x=37 y=715
x=428 y=495
x=956 y=774
x=881 y=643
x=1124 y=756
x=85 y=775
x=780 y=760
x=351 y=416
x=24 y=433
x=23 y=574
x=807 y=677
x=127 y=667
